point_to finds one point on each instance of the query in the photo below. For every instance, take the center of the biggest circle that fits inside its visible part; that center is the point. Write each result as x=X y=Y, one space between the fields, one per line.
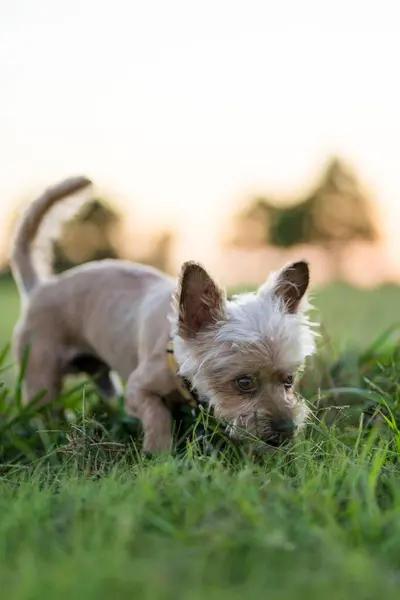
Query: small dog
x=240 y=355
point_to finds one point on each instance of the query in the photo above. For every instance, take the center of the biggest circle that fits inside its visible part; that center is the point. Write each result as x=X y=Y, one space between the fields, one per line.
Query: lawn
x=309 y=527
x=9 y=309
x=84 y=516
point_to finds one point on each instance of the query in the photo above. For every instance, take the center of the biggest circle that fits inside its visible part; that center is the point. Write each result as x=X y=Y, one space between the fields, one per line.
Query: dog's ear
x=291 y=284
x=200 y=300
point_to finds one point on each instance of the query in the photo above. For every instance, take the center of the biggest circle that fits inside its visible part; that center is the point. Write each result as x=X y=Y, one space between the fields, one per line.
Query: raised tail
x=23 y=265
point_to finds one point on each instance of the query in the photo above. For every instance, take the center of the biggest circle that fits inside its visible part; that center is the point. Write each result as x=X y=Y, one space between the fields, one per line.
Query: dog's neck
x=183 y=384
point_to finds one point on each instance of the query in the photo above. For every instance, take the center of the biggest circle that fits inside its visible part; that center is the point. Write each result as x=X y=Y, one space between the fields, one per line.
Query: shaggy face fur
x=243 y=354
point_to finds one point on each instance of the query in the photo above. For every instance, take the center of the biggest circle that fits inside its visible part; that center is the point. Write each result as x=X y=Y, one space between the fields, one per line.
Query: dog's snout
x=284 y=428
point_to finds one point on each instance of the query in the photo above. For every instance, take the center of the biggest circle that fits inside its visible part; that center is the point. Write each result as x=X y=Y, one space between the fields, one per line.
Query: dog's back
x=115 y=306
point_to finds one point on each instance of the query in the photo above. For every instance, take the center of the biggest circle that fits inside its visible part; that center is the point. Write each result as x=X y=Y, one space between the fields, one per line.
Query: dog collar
x=182 y=384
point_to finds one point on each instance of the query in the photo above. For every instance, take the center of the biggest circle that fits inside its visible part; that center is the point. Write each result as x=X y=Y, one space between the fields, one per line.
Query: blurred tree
x=254 y=226
x=341 y=211
x=335 y=213
x=96 y=233
x=160 y=251
x=91 y=235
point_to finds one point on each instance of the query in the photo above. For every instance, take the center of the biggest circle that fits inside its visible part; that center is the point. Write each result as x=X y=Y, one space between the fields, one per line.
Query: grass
x=355 y=317
x=83 y=515
x=296 y=528
x=9 y=309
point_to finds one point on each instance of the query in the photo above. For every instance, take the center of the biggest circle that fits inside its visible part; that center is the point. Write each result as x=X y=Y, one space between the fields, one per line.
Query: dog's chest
x=174 y=398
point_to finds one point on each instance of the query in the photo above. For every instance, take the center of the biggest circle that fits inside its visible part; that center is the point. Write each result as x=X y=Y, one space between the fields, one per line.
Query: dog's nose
x=284 y=429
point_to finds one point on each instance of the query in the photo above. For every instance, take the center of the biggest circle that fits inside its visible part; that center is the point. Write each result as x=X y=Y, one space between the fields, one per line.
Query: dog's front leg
x=155 y=417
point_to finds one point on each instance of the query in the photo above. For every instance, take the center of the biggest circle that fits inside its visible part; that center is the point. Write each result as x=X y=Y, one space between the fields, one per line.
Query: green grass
x=299 y=528
x=355 y=317
x=83 y=515
x=9 y=309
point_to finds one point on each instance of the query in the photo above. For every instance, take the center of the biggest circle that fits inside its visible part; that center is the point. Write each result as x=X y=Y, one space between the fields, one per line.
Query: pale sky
x=181 y=108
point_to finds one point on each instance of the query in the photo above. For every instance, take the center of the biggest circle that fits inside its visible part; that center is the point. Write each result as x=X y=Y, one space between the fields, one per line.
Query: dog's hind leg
x=42 y=379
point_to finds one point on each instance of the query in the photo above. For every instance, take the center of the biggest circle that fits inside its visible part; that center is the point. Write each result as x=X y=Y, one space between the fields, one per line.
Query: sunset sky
x=181 y=108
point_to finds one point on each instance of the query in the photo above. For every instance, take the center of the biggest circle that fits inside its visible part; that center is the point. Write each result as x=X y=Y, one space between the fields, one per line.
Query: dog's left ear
x=200 y=300
x=292 y=283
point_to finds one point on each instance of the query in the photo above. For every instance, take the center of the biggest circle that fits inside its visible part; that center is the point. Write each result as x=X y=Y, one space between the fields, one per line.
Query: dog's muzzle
x=281 y=433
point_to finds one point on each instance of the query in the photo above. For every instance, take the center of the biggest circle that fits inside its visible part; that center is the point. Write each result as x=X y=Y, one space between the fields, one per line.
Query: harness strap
x=182 y=385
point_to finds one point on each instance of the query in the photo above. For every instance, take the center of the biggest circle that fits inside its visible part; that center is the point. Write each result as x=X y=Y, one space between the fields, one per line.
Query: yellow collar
x=181 y=384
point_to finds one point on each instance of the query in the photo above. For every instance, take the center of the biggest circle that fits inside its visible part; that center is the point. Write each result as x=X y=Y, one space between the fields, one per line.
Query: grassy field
x=84 y=516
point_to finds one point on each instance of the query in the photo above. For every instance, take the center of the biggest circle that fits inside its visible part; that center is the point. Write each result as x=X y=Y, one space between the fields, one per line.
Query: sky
x=181 y=109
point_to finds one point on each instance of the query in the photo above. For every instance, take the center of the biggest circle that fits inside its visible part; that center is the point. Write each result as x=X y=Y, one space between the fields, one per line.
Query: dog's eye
x=288 y=381
x=246 y=383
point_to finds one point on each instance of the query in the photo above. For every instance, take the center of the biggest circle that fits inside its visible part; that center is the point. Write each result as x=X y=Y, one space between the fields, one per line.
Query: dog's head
x=243 y=354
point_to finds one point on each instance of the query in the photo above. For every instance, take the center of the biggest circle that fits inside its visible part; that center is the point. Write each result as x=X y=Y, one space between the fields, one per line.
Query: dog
x=240 y=355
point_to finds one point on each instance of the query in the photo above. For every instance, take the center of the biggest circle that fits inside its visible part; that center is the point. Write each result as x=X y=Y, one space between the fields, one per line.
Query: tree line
x=336 y=211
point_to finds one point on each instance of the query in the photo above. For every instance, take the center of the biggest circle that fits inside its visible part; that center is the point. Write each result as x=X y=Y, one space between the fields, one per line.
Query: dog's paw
x=157 y=444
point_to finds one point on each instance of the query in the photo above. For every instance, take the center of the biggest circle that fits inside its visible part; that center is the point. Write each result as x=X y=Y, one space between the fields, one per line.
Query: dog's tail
x=26 y=268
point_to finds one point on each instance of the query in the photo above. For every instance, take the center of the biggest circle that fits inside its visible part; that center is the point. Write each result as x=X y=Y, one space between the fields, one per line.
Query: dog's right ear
x=292 y=284
x=200 y=300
